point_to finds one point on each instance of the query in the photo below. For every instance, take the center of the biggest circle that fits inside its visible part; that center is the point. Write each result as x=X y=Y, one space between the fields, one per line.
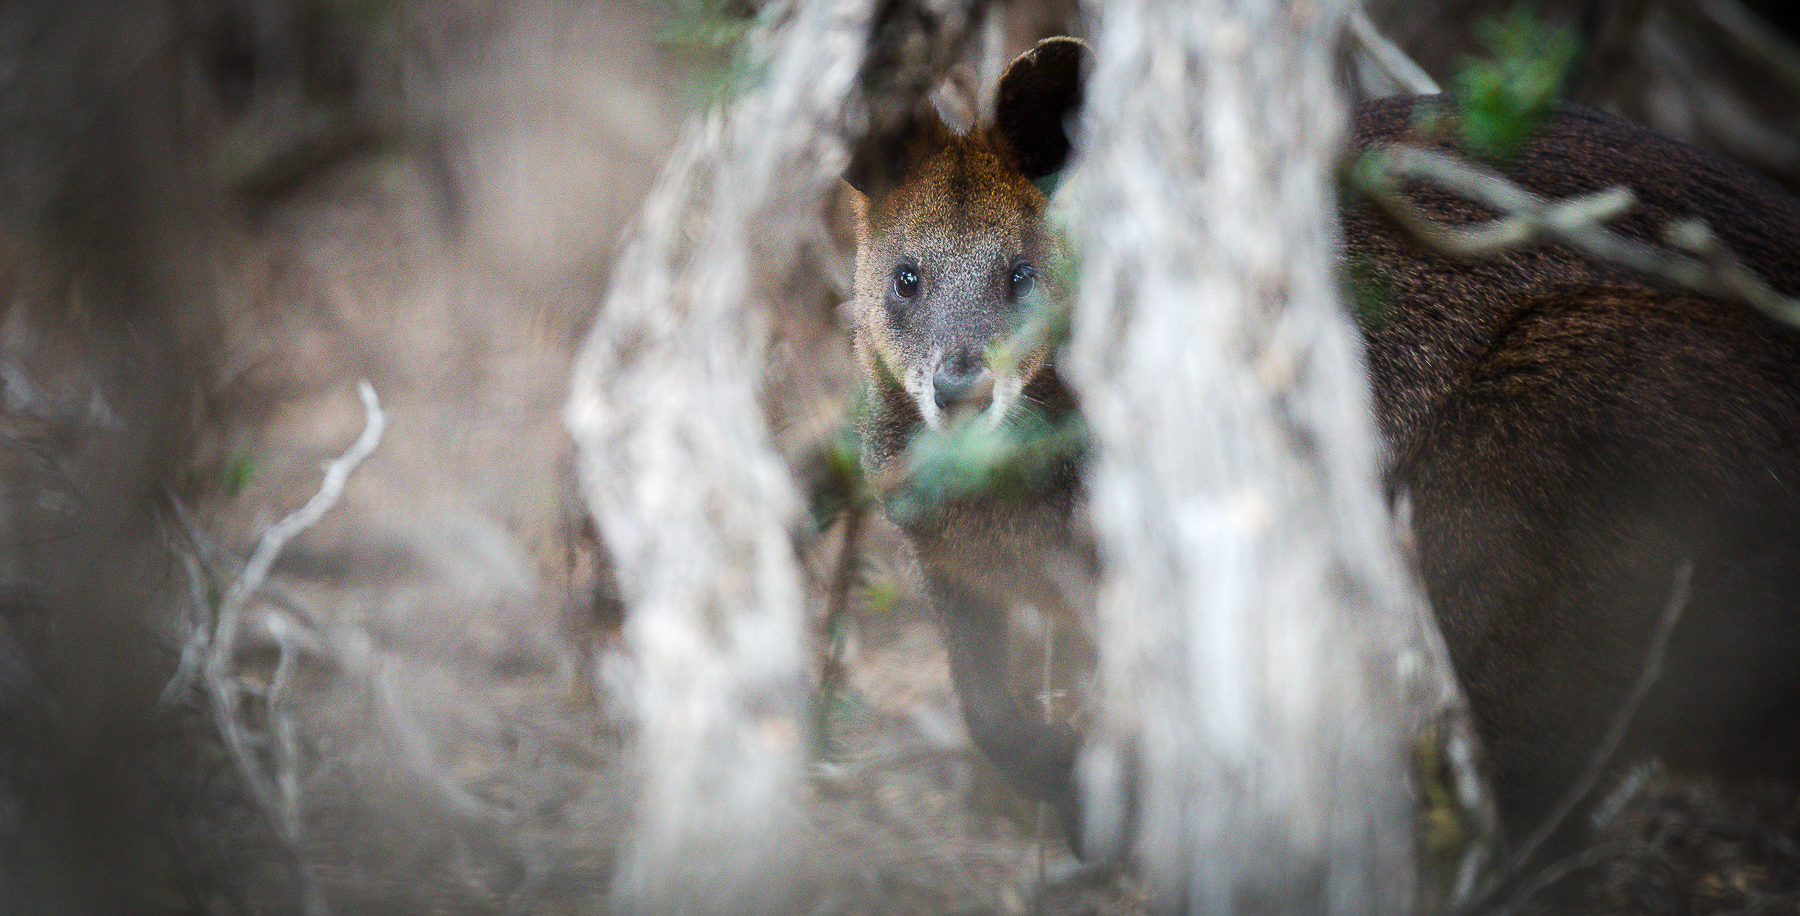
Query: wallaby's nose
x=962 y=379
x=952 y=386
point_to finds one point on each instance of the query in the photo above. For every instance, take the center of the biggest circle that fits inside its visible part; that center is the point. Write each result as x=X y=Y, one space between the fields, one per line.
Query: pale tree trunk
x=676 y=465
x=680 y=471
x=1266 y=659
x=678 y=468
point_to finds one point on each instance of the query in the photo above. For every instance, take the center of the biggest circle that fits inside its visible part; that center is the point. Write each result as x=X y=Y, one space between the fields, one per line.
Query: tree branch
x=1388 y=56
x=1704 y=265
x=1596 y=766
x=276 y=794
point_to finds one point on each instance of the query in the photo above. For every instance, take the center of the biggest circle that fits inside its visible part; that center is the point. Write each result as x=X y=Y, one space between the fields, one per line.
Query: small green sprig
x=714 y=33
x=972 y=457
x=1504 y=99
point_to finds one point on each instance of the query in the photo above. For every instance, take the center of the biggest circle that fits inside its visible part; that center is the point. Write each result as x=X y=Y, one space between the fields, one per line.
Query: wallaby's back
x=1569 y=434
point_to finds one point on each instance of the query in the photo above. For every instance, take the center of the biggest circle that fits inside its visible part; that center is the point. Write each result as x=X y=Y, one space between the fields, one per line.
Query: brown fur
x=963 y=211
x=1567 y=433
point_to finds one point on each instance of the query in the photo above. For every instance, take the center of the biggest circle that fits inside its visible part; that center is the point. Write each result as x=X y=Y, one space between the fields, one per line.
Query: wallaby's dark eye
x=1024 y=277
x=906 y=282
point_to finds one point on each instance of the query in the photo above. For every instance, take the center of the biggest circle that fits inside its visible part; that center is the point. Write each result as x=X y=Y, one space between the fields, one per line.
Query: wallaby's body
x=950 y=243
x=1567 y=434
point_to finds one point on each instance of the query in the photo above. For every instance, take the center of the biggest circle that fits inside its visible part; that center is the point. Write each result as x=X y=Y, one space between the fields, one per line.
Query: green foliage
x=1447 y=831
x=882 y=593
x=833 y=703
x=971 y=458
x=1043 y=321
x=713 y=33
x=239 y=469
x=1502 y=100
x=830 y=711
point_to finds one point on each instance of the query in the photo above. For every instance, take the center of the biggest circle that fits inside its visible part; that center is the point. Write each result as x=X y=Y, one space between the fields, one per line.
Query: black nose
x=953 y=386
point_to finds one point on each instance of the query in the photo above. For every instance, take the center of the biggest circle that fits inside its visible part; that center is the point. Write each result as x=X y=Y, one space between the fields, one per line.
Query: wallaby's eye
x=1024 y=277
x=906 y=281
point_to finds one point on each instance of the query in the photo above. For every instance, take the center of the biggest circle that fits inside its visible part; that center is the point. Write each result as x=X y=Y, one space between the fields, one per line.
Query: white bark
x=1266 y=660
x=679 y=470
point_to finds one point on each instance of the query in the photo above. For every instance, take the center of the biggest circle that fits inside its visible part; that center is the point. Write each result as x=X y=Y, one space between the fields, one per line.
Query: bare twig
x=1752 y=39
x=277 y=795
x=337 y=474
x=218 y=565
x=1393 y=62
x=193 y=648
x=1560 y=869
x=286 y=739
x=1045 y=699
x=204 y=564
x=1603 y=753
x=1712 y=270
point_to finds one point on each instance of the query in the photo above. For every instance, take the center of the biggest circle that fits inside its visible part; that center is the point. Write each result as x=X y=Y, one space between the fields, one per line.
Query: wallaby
x=1568 y=434
x=950 y=243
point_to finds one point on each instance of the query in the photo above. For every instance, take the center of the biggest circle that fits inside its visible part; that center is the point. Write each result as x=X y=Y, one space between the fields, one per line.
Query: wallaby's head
x=950 y=239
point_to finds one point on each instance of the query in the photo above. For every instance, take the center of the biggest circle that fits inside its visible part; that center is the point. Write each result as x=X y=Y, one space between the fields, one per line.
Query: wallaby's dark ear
x=1039 y=93
x=883 y=160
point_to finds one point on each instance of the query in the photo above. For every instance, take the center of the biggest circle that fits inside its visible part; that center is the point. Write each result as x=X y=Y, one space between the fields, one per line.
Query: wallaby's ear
x=1039 y=93
x=883 y=160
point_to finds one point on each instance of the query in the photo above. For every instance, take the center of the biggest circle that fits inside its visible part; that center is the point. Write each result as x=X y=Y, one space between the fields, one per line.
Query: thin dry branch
x=283 y=733
x=199 y=628
x=276 y=794
x=1751 y=38
x=1654 y=653
x=297 y=630
x=1388 y=56
x=218 y=675
x=1556 y=872
x=831 y=669
x=1704 y=265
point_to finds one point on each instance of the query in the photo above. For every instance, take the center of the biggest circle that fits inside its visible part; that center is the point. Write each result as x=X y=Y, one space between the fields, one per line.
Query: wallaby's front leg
x=1038 y=756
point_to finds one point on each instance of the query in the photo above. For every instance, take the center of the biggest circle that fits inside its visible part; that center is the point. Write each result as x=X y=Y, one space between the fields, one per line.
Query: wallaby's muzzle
x=962 y=385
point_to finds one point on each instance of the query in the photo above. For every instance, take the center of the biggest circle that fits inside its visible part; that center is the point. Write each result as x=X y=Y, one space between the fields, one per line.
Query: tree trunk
x=1267 y=662
x=678 y=467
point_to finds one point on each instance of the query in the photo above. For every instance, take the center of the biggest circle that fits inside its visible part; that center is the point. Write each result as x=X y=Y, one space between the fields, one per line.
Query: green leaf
x=1369 y=292
x=237 y=474
x=713 y=33
x=972 y=458
x=1504 y=99
x=839 y=484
